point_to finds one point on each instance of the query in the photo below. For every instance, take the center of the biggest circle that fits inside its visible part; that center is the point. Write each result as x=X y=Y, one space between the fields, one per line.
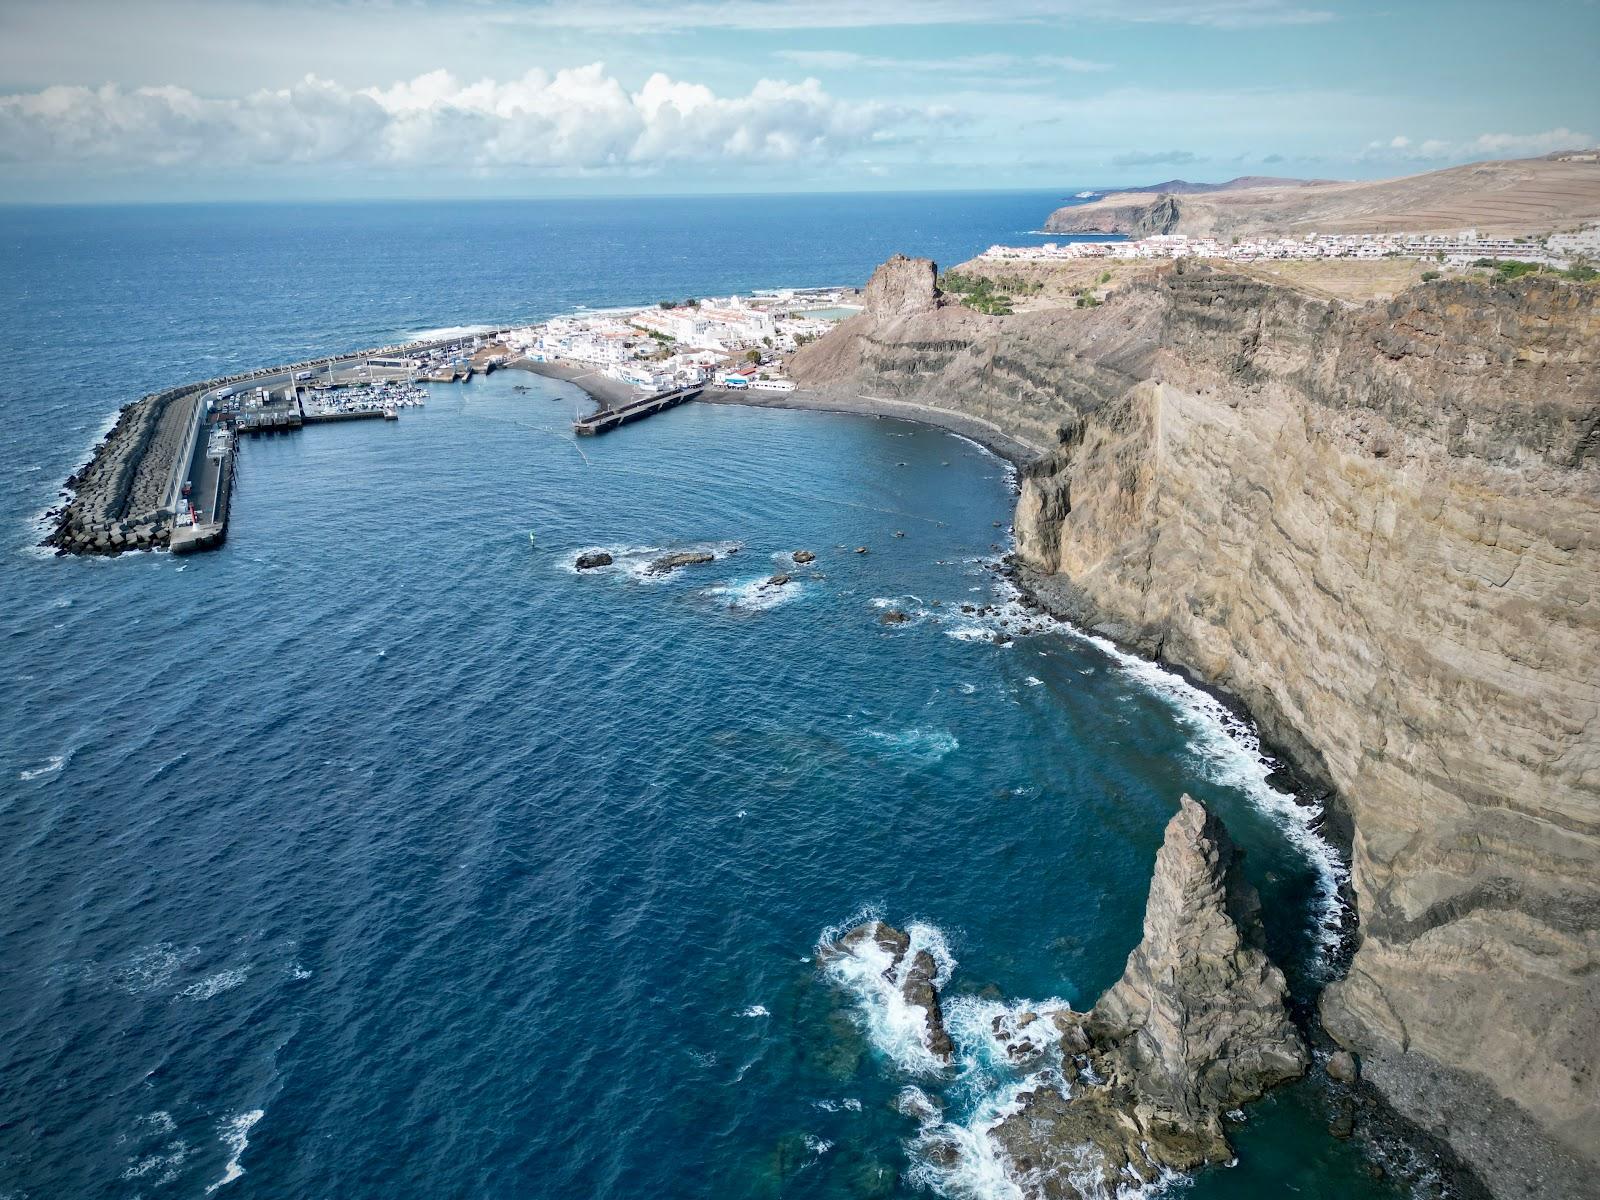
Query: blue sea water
x=382 y=854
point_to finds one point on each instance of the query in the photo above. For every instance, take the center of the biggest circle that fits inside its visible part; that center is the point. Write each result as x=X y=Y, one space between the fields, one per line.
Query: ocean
x=381 y=853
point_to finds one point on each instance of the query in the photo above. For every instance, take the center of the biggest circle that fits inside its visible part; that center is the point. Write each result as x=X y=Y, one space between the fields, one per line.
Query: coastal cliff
x=1135 y=217
x=1379 y=528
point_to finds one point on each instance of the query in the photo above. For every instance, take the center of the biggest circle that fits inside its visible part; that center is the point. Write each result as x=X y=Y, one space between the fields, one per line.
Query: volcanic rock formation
x=1195 y=1027
x=912 y=974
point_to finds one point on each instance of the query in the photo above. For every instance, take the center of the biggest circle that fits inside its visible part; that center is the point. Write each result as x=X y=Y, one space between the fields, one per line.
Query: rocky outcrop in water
x=913 y=974
x=1195 y=1027
x=668 y=563
x=1379 y=527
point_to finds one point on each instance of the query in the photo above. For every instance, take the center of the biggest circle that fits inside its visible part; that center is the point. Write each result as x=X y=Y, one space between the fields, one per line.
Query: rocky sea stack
x=669 y=563
x=1195 y=1027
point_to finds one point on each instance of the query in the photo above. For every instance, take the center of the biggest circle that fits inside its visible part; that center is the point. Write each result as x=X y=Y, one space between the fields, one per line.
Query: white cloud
x=967 y=64
x=579 y=119
x=1153 y=158
x=1532 y=143
x=1485 y=145
x=654 y=16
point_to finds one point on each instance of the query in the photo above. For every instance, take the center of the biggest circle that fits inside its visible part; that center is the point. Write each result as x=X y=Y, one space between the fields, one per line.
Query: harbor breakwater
x=1379 y=528
x=127 y=495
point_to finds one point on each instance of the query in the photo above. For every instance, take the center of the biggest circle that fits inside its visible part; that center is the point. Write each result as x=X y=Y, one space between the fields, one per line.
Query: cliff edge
x=1379 y=527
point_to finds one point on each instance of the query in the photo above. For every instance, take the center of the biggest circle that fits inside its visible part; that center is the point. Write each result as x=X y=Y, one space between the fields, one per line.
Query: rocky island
x=1377 y=525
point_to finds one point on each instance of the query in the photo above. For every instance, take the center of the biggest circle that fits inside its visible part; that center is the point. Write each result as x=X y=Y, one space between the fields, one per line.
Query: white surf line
x=235 y=1135
x=1230 y=746
x=1229 y=749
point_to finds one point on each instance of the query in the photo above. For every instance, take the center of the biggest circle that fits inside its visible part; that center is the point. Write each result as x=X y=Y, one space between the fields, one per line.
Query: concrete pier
x=609 y=418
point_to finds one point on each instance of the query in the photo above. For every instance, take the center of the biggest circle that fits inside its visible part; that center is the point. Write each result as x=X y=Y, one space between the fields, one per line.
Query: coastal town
x=1559 y=251
x=732 y=342
x=163 y=474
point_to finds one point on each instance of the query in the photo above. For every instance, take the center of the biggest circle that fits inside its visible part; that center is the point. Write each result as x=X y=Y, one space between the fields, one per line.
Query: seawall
x=1378 y=527
x=125 y=496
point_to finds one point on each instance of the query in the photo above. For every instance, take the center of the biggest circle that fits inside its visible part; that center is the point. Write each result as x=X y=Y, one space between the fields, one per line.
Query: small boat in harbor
x=389 y=413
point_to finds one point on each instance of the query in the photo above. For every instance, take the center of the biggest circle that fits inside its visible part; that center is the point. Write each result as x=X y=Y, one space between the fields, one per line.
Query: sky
x=183 y=100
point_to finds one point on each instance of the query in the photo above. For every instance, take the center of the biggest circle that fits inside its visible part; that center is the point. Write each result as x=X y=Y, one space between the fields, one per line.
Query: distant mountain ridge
x=1185 y=187
x=1511 y=198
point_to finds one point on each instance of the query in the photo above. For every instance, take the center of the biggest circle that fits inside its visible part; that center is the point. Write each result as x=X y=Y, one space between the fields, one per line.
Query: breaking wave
x=1229 y=749
x=1226 y=745
x=236 y=1136
x=1001 y=1051
x=897 y=1029
x=215 y=985
x=52 y=764
x=755 y=595
x=447 y=331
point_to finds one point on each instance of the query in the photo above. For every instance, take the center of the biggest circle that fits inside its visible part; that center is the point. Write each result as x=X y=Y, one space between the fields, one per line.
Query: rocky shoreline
x=1254 y=484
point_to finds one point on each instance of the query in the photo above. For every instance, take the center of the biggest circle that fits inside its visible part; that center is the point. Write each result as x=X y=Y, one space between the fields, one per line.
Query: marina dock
x=163 y=474
x=608 y=418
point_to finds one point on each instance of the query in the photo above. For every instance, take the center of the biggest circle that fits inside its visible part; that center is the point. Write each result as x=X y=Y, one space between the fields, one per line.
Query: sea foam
x=235 y=1134
x=215 y=985
x=924 y=747
x=51 y=765
x=1226 y=746
x=897 y=1029
x=754 y=595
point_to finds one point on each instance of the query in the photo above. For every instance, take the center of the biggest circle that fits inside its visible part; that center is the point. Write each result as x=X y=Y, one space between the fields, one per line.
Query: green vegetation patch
x=1581 y=271
x=988 y=295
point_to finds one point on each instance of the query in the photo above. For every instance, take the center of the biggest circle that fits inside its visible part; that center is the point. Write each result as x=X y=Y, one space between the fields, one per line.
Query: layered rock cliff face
x=1195 y=1027
x=1379 y=527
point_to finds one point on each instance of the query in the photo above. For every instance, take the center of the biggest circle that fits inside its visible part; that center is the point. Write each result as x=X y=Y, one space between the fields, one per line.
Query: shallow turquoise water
x=380 y=853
